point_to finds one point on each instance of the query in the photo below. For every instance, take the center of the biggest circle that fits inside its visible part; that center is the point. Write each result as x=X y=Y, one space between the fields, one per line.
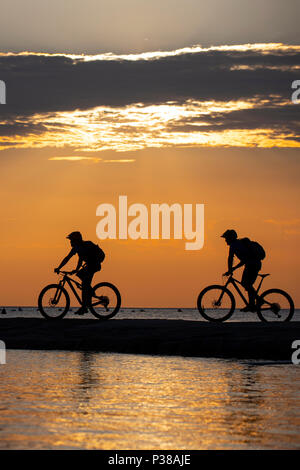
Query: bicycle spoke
x=275 y=305
x=216 y=303
x=106 y=300
x=53 y=302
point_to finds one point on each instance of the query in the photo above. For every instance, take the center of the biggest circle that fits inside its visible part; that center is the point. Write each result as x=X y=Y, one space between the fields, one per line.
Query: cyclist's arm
x=230 y=259
x=238 y=265
x=78 y=265
x=66 y=259
x=230 y=263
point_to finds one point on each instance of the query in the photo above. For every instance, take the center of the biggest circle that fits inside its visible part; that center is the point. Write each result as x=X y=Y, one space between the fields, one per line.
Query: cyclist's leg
x=85 y=275
x=86 y=288
x=87 y=278
x=249 y=277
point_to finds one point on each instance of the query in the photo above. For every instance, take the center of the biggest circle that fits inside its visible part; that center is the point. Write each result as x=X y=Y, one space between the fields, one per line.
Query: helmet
x=229 y=234
x=75 y=236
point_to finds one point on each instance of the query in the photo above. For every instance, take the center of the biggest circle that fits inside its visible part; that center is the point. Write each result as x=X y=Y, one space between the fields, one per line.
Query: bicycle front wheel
x=106 y=301
x=216 y=303
x=54 y=302
x=275 y=305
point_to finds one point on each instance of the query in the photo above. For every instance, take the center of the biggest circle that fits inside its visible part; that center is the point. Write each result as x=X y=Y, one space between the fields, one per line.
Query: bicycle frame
x=234 y=282
x=68 y=280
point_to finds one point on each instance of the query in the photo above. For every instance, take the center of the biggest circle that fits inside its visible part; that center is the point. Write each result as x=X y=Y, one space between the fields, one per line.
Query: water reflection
x=88 y=376
x=114 y=401
x=244 y=404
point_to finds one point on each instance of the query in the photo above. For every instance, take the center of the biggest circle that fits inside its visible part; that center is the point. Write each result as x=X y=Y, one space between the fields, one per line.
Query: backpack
x=99 y=253
x=95 y=253
x=258 y=250
x=254 y=248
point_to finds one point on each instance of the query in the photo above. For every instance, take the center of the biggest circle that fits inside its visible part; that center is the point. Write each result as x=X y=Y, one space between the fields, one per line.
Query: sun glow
x=139 y=126
x=263 y=48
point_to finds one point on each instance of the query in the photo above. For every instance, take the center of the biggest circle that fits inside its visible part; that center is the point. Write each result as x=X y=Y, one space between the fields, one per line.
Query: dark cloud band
x=52 y=83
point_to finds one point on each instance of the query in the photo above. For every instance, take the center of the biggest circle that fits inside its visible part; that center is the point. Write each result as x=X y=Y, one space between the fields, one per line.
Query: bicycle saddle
x=263 y=275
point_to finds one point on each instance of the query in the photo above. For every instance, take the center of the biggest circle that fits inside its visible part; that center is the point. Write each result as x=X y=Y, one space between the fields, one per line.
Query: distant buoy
x=179 y=310
x=20 y=310
x=4 y=312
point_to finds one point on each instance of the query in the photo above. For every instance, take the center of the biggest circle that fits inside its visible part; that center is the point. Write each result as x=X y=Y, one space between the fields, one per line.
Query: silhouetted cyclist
x=250 y=255
x=92 y=256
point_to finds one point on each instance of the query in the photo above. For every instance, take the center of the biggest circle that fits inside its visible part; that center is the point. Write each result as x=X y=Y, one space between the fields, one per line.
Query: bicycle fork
x=217 y=303
x=58 y=292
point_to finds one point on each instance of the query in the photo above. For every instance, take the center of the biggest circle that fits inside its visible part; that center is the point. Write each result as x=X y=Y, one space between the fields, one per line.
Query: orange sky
x=254 y=191
x=212 y=125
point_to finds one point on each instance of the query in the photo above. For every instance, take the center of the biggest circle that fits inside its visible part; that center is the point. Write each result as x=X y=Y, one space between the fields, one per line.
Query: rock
x=239 y=340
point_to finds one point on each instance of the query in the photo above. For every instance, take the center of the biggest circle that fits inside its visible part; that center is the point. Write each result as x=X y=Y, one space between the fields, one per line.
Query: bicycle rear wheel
x=216 y=303
x=54 y=302
x=275 y=305
x=106 y=301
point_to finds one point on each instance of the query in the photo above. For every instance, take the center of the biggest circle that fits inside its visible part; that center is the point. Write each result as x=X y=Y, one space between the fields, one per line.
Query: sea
x=58 y=400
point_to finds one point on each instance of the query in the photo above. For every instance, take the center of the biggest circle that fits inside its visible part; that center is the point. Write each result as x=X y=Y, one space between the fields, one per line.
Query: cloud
x=121 y=160
x=288 y=227
x=74 y=158
x=283 y=222
x=227 y=95
x=79 y=158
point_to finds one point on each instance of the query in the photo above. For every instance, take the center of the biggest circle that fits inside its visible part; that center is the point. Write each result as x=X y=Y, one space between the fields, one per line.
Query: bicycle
x=217 y=303
x=54 y=299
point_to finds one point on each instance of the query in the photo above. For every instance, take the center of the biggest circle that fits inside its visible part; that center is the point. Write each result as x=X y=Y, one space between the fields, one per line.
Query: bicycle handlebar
x=69 y=272
x=64 y=272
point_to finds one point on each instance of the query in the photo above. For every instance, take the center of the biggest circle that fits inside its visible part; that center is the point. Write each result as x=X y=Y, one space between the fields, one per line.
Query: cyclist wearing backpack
x=250 y=255
x=92 y=256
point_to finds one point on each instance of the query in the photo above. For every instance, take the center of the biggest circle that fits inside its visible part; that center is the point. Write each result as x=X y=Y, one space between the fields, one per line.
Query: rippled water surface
x=80 y=400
